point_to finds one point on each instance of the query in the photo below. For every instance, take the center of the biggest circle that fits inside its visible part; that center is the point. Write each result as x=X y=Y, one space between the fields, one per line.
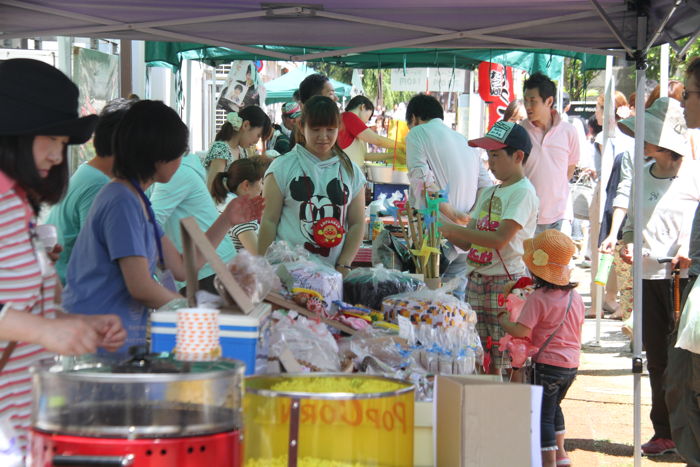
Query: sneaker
x=658 y=447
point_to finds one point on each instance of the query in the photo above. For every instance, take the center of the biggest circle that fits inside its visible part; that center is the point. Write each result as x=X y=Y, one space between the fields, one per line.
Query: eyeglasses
x=687 y=93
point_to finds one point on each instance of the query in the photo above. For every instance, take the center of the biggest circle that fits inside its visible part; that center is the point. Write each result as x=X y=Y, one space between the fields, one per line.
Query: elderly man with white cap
x=671 y=193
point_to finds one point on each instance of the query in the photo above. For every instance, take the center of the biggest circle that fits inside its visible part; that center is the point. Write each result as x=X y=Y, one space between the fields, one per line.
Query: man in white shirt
x=555 y=151
x=439 y=158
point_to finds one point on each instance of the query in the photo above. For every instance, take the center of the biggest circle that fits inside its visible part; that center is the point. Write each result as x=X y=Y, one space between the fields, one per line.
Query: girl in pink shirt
x=552 y=318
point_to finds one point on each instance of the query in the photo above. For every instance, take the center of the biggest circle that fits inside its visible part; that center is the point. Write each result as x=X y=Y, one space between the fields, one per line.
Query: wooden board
x=193 y=240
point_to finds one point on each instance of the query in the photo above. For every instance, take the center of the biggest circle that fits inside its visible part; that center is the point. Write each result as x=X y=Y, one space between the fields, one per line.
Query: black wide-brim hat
x=38 y=99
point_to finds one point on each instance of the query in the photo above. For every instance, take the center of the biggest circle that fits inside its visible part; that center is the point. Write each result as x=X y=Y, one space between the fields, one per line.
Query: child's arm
x=514 y=329
x=274 y=201
x=463 y=237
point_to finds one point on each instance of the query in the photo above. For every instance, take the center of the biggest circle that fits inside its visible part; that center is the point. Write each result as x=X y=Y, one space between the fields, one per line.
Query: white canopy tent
x=610 y=27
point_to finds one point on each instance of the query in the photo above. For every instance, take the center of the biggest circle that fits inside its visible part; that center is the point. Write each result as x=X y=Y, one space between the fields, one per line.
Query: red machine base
x=219 y=450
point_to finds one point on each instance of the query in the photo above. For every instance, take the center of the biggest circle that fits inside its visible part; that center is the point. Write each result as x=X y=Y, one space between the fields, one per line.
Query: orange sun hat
x=548 y=256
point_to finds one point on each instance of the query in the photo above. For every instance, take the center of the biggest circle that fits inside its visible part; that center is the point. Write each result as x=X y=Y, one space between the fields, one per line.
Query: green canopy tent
x=282 y=88
x=548 y=61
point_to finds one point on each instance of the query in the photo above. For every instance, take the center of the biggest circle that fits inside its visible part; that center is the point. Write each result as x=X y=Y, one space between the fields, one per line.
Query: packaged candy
x=425 y=306
x=310 y=342
x=254 y=274
x=306 y=274
x=369 y=286
x=280 y=252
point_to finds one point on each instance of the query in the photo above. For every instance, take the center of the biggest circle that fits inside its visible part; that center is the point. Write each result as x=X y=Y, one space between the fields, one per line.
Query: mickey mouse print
x=317 y=195
x=317 y=212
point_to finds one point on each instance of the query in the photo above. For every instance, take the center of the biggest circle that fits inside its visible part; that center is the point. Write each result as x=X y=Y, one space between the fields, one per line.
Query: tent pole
x=605 y=167
x=663 y=70
x=637 y=271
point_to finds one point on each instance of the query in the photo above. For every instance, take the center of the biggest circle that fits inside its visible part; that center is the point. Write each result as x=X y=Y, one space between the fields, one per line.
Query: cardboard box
x=482 y=423
x=423 y=450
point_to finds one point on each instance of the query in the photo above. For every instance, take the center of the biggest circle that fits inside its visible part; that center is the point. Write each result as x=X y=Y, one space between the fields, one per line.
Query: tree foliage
x=577 y=81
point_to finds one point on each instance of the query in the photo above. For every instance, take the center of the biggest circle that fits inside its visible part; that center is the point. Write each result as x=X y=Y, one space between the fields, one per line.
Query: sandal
x=563 y=461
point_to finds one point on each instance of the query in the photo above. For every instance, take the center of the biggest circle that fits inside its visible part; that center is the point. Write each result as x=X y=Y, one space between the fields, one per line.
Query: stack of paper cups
x=197 y=336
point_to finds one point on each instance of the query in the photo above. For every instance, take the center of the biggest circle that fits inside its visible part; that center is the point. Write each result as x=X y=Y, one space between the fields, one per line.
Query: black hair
x=357 y=101
x=251 y=169
x=424 y=107
x=510 y=150
x=110 y=116
x=253 y=114
x=295 y=96
x=321 y=111
x=543 y=284
x=239 y=87
x=149 y=132
x=311 y=86
x=17 y=163
x=543 y=84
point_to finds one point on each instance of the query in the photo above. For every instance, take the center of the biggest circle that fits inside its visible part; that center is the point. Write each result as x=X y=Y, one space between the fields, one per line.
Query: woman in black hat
x=38 y=120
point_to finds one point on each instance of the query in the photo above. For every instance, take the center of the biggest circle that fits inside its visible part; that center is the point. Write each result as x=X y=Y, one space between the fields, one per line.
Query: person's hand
x=110 y=329
x=55 y=253
x=68 y=336
x=626 y=253
x=680 y=261
x=343 y=269
x=244 y=209
x=607 y=246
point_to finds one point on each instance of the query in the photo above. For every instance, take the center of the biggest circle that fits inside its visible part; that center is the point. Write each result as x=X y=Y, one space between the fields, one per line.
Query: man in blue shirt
x=70 y=214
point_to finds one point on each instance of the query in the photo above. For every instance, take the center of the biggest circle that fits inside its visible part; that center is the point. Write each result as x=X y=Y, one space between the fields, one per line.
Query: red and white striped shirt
x=22 y=284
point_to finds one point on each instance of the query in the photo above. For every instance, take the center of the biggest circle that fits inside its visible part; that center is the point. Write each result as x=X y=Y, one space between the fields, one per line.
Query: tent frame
x=437 y=35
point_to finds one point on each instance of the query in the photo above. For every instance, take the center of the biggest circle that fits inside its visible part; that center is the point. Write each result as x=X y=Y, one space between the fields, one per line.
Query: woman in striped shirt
x=38 y=120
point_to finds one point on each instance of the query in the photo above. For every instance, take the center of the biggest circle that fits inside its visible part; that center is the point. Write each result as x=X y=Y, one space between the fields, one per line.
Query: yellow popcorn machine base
x=328 y=420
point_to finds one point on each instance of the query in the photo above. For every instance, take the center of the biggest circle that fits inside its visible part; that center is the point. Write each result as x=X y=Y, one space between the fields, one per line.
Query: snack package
x=310 y=342
x=306 y=274
x=369 y=286
x=434 y=307
x=254 y=274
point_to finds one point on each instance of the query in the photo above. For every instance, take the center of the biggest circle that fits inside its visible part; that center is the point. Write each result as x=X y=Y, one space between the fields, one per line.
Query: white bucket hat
x=664 y=126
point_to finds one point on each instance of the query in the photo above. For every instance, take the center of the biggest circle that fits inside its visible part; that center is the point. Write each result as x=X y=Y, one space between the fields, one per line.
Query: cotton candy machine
x=321 y=420
x=147 y=411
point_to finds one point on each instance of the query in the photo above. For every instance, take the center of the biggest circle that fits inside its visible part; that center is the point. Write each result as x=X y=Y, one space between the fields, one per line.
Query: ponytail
x=219 y=187
x=251 y=169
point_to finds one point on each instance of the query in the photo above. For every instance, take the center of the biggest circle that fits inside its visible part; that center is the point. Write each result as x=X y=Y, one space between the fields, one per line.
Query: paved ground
x=599 y=407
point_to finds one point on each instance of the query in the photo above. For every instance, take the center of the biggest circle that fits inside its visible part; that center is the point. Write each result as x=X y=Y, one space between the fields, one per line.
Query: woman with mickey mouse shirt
x=314 y=194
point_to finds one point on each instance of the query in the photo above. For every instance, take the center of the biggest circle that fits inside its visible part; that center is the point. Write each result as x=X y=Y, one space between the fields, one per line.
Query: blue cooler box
x=238 y=336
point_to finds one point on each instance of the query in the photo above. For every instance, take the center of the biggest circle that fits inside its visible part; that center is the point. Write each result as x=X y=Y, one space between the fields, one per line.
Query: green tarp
x=282 y=88
x=548 y=61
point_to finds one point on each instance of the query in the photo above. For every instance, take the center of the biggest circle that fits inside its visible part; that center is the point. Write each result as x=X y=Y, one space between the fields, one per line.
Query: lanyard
x=152 y=219
x=489 y=227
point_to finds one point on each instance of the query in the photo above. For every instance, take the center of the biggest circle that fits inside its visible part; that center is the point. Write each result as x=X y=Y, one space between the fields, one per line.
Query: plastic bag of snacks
x=369 y=286
x=282 y=252
x=310 y=275
x=434 y=307
x=310 y=342
x=254 y=274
